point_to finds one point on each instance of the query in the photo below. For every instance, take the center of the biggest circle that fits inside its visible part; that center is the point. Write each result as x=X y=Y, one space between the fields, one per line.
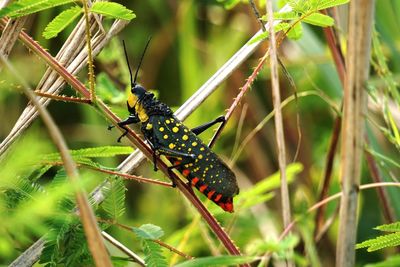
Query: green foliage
x=25 y=7
x=66 y=242
x=148 y=231
x=218 y=261
x=384 y=241
x=390 y=91
x=85 y=155
x=261 y=192
x=301 y=11
x=114 y=204
x=63 y=20
x=153 y=253
x=112 y=10
x=106 y=90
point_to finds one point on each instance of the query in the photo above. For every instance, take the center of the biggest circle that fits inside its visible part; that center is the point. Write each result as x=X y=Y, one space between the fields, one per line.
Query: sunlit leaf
x=319 y=19
x=60 y=22
x=148 y=231
x=113 y=10
x=26 y=7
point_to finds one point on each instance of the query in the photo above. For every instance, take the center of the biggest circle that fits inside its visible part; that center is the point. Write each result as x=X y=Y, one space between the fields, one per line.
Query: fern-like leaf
x=148 y=231
x=380 y=242
x=95 y=152
x=154 y=256
x=25 y=7
x=392 y=227
x=114 y=203
x=60 y=22
x=113 y=10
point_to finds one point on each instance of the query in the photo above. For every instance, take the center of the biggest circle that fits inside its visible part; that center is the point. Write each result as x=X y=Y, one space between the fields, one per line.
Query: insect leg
x=131 y=119
x=185 y=158
x=199 y=129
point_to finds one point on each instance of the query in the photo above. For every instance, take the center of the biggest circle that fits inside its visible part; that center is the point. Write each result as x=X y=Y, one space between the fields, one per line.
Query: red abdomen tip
x=227 y=206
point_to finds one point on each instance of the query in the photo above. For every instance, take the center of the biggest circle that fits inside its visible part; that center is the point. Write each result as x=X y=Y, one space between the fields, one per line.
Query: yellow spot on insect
x=194 y=144
x=161 y=129
x=185 y=130
x=200 y=156
x=201 y=148
x=149 y=126
x=171 y=146
x=168 y=121
x=183 y=145
x=189 y=149
x=165 y=136
x=185 y=137
x=175 y=129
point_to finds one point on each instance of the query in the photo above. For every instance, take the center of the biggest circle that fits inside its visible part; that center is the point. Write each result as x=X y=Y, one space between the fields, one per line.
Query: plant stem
x=354 y=113
x=89 y=47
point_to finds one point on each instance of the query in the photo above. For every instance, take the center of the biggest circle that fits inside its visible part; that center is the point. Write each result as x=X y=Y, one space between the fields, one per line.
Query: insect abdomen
x=207 y=172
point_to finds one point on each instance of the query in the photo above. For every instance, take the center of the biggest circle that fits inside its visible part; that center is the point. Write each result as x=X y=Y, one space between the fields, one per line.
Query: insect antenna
x=127 y=62
x=140 y=62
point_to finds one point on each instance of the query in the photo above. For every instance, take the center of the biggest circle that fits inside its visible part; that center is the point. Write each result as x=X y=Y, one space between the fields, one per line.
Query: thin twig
x=171 y=248
x=123 y=248
x=89 y=48
x=132 y=177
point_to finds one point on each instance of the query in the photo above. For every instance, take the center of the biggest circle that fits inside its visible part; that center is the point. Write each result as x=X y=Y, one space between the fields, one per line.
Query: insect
x=168 y=136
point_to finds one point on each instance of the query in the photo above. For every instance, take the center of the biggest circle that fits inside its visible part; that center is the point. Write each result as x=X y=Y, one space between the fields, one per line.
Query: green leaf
x=114 y=203
x=154 y=256
x=260 y=192
x=319 y=19
x=380 y=242
x=324 y=4
x=218 y=261
x=95 y=152
x=261 y=36
x=295 y=32
x=113 y=10
x=107 y=91
x=60 y=22
x=148 y=231
x=392 y=227
x=288 y=15
x=26 y=7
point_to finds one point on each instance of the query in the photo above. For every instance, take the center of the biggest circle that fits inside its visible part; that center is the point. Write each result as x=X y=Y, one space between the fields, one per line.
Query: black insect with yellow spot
x=168 y=136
